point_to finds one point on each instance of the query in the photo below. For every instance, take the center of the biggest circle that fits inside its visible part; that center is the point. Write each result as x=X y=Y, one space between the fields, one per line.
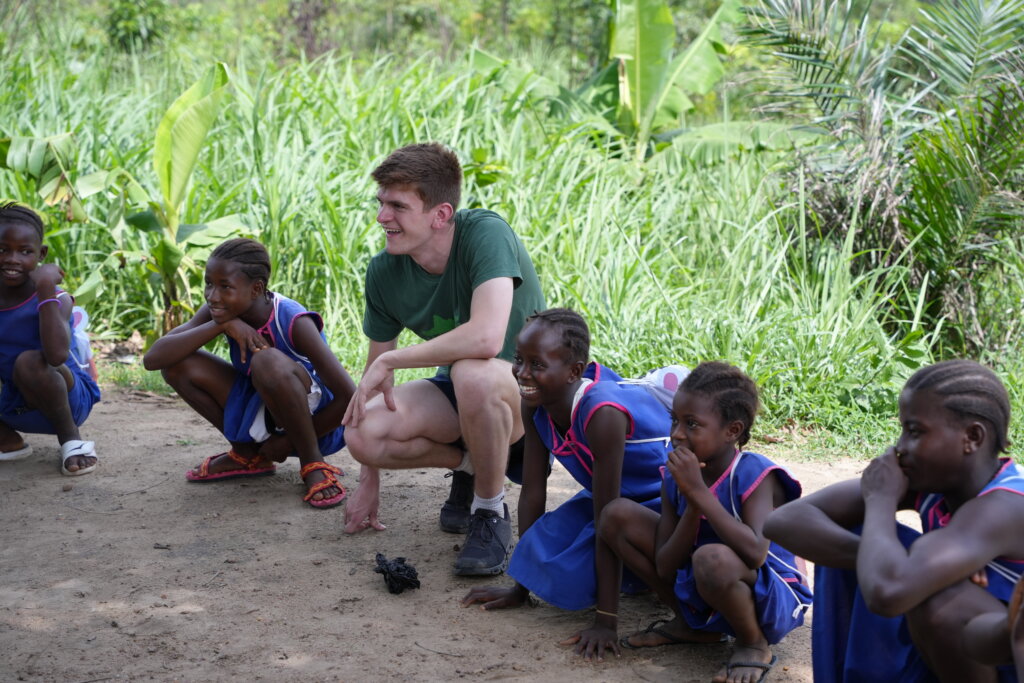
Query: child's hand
x=592 y=642
x=246 y=336
x=980 y=578
x=883 y=477
x=46 y=278
x=685 y=469
x=496 y=597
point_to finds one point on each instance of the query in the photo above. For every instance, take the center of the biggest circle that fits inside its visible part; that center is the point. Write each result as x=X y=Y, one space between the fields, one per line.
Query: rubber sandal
x=328 y=481
x=765 y=668
x=17 y=453
x=70 y=449
x=249 y=469
x=655 y=627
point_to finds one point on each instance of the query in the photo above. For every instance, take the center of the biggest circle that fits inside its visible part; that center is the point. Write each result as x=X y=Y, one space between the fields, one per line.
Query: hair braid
x=734 y=394
x=575 y=333
x=969 y=390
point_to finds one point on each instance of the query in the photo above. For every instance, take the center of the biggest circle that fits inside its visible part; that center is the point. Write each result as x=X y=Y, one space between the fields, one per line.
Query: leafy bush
x=133 y=25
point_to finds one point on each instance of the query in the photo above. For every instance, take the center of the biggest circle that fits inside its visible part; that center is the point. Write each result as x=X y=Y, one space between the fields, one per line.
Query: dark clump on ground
x=397 y=574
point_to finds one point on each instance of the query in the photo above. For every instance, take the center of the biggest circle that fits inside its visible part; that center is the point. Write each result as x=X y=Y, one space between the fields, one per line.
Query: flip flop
x=70 y=449
x=765 y=668
x=328 y=481
x=248 y=469
x=655 y=627
x=17 y=453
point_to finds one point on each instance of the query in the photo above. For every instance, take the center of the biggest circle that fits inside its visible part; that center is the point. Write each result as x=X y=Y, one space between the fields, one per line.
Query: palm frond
x=961 y=43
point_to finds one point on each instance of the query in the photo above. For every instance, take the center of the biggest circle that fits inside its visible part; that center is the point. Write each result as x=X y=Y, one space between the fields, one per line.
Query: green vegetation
x=755 y=243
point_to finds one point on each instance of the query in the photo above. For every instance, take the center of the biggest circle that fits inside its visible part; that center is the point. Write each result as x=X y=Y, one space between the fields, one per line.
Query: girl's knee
x=29 y=365
x=716 y=566
x=615 y=518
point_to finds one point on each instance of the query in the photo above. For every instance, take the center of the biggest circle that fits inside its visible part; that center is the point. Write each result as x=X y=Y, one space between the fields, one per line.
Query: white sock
x=466 y=465
x=495 y=504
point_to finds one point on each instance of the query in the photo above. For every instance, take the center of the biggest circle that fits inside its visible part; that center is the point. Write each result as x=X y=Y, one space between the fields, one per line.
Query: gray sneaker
x=487 y=546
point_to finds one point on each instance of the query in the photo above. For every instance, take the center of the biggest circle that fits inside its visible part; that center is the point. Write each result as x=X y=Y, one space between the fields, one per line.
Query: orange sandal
x=329 y=481
x=249 y=469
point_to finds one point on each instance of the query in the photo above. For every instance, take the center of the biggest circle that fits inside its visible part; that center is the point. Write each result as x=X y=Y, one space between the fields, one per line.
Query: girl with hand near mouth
x=613 y=440
x=46 y=388
x=893 y=604
x=284 y=392
x=706 y=555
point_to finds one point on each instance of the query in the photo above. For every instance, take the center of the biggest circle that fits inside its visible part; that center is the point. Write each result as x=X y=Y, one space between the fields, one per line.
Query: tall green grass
x=670 y=262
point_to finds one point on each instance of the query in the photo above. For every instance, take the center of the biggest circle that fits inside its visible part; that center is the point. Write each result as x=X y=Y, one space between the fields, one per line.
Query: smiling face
x=20 y=252
x=933 y=443
x=229 y=292
x=408 y=225
x=542 y=367
x=697 y=425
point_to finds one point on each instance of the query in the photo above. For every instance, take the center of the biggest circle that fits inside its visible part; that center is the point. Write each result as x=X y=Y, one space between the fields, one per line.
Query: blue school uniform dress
x=246 y=418
x=554 y=559
x=19 y=332
x=781 y=593
x=849 y=643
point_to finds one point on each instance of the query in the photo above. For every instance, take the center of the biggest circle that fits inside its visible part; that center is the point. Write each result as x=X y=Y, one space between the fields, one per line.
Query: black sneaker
x=487 y=544
x=455 y=511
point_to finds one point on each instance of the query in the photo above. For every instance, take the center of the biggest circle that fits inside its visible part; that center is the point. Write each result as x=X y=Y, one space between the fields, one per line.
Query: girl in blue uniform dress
x=895 y=605
x=47 y=389
x=705 y=554
x=613 y=440
x=283 y=392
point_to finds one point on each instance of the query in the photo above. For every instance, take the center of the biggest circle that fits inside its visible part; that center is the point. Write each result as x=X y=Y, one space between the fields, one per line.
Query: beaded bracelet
x=46 y=301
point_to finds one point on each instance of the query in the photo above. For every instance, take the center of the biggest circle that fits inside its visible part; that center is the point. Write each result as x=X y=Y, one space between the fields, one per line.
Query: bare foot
x=78 y=462
x=665 y=632
x=230 y=461
x=747 y=664
x=314 y=478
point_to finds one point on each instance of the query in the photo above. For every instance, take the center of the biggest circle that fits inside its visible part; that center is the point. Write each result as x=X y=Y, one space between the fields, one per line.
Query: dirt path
x=131 y=573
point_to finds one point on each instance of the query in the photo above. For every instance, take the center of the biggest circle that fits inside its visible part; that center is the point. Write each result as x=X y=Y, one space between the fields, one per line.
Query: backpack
x=81 y=351
x=661 y=383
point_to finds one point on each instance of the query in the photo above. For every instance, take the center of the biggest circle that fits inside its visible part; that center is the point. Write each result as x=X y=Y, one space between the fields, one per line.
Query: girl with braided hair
x=284 y=392
x=893 y=604
x=706 y=555
x=613 y=439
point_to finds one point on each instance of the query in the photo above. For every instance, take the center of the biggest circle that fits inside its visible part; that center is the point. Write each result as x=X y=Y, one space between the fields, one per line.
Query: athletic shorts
x=514 y=469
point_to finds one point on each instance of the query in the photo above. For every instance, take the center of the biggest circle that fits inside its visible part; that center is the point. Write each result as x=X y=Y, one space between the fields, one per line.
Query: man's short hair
x=429 y=169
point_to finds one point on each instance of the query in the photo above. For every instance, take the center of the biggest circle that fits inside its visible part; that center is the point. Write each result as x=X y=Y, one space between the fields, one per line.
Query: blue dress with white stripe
x=781 y=593
x=554 y=558
x=851 y=644
x=245 y=416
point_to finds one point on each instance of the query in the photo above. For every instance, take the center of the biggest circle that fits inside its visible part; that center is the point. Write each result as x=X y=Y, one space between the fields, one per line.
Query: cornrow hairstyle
x=734 y=394
x=968 y=390
x=430 y=169
x=250 y=255
x=12 y=212
x=575 y=333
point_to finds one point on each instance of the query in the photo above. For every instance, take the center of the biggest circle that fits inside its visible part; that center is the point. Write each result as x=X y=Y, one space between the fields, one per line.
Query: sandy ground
x=132 y=573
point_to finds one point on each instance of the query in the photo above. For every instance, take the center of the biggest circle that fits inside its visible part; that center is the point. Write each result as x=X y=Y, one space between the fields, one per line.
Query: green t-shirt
x=400 y=294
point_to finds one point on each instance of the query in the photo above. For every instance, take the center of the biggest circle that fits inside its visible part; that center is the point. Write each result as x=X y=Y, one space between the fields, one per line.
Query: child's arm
x=817 y=527
x=189 y=337
x=54 y=329
x=532 y=501
x=894 y=579
x=743 y=535
x=674 y=536
x=606 y=434
x=307 y=341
